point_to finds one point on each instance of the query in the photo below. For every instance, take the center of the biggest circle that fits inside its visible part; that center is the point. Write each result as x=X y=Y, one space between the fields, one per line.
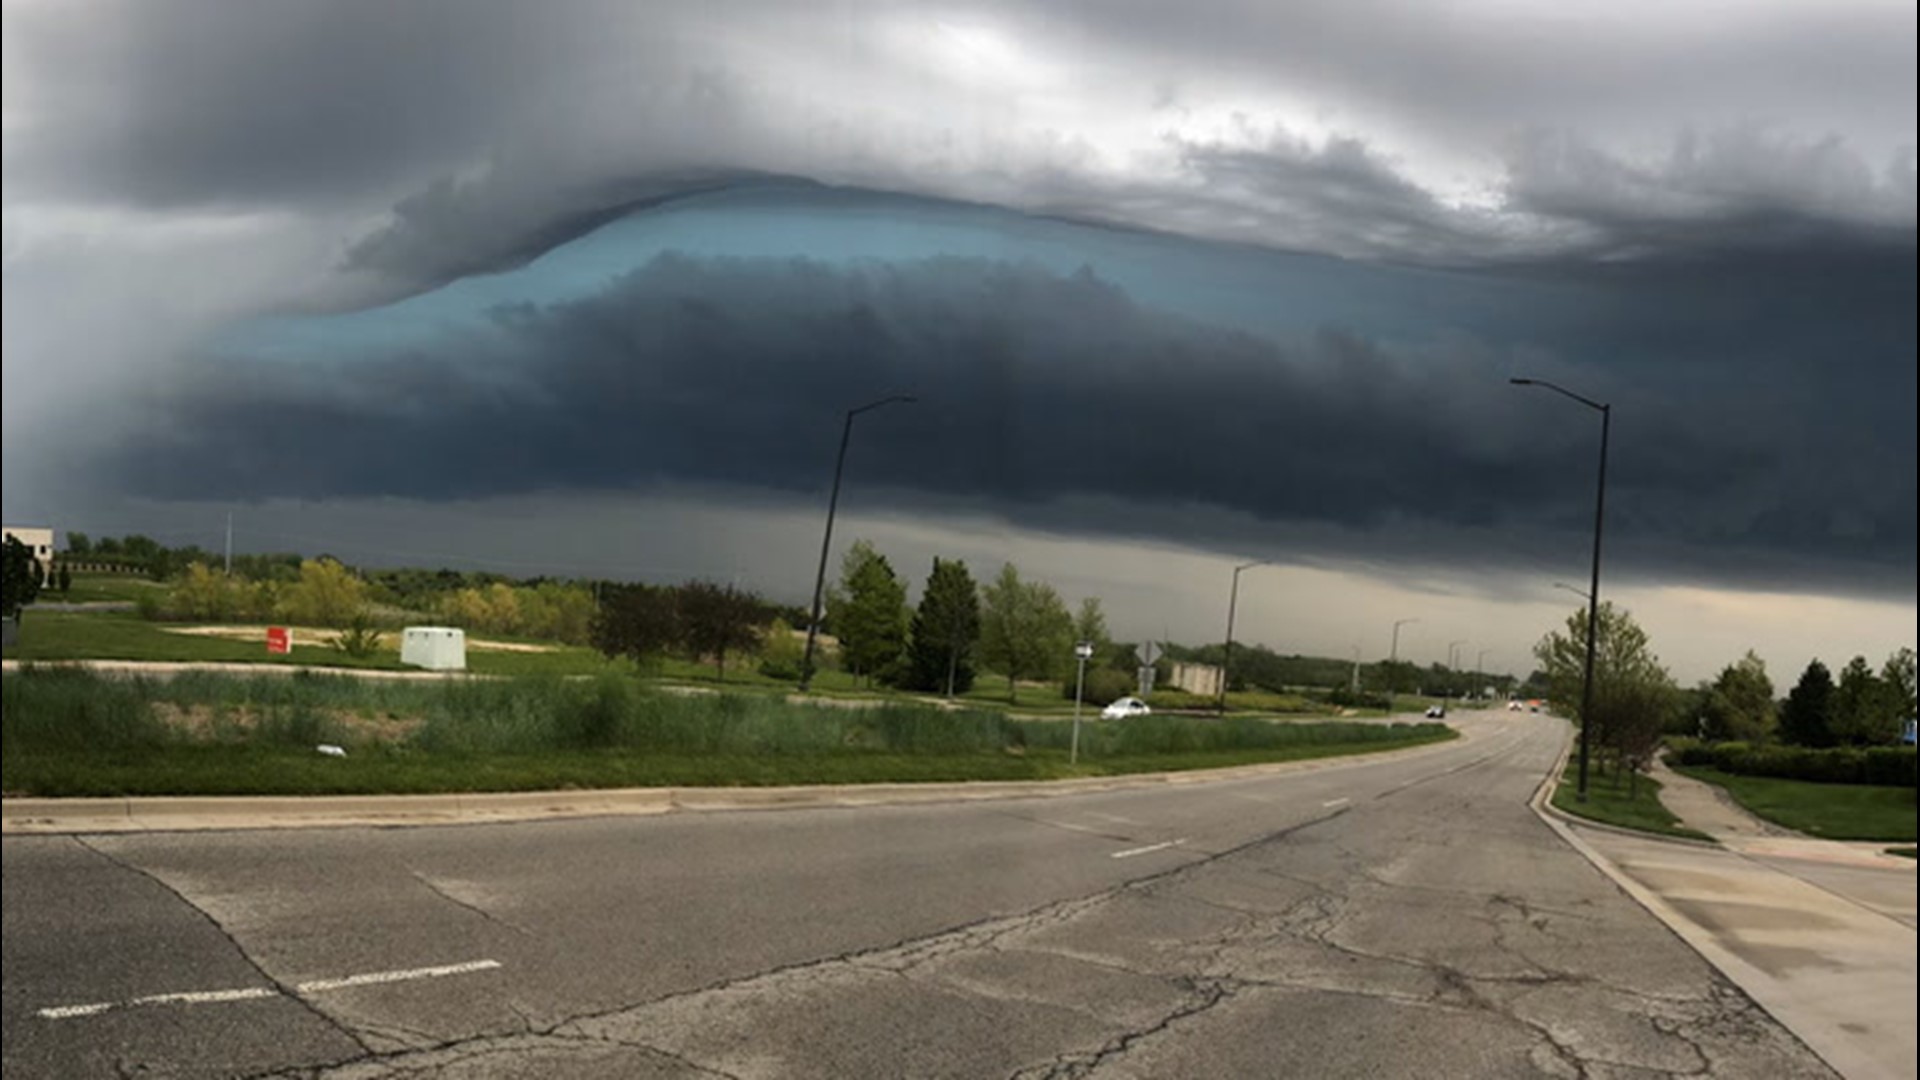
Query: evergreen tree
x=1863 y=713
x=869 y=612
x=946 y=628
x=1807 y=718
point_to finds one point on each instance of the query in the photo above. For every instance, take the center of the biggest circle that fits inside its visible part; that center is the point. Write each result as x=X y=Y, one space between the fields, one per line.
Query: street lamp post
x=826 y=542
x=1393 y=661
x=1453 y=662
x=1081 y=652
x=1226 y=658
x=1480 y=672
x=1593 y=591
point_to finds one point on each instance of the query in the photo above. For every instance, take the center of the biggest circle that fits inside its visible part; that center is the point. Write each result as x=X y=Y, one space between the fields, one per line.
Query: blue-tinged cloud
x=1751 y=443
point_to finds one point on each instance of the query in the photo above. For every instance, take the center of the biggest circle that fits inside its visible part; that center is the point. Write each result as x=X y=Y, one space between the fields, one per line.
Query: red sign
x=279 y=640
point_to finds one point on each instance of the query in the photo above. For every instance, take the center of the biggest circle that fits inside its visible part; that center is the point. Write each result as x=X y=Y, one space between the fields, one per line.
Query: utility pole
x=1393 y=661
x=229 y=543
x=826 y=541
x=1226 y=657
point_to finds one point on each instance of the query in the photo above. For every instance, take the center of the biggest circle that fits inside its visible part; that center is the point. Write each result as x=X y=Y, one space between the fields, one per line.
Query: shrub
x=1883 y=765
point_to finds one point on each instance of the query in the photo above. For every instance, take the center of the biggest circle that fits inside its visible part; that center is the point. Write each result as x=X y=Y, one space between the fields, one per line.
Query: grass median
x=1829 y=811
x=1616 y=800
x=74 y=733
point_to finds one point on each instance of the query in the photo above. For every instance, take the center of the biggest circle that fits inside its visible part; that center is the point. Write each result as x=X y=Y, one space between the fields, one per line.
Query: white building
x=1201 y=679
x=39 y=544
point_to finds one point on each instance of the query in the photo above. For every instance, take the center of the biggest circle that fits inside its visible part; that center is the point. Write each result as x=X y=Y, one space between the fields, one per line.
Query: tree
x=1897 y=676
x=1090 y=626
x=1634 y=713
x=869 y=612
x=716 y=619
x=78 y=544
x=946 y=628
x=327 y=594
x=1024 y=628
x=1807 y=717
x=781 y=651
x=1739 y=704
x=1627 y=677
x=19 y=577
x=204 y=595
x=639 y=622
x=65 y=579
x=1863 y=709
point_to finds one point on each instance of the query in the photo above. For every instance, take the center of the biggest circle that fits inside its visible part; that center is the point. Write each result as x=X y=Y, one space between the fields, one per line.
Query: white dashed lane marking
x=1131 y=852
x=255 y=993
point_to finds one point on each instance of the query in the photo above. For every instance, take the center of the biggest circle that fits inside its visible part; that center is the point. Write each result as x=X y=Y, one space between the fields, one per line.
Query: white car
x=1123 y=708
x=1436 y=712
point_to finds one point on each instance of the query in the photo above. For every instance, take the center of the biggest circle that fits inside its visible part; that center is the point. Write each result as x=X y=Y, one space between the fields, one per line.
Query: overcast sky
x=587 y=287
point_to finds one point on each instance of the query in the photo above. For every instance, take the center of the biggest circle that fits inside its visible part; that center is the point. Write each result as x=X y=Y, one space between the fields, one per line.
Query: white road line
x=255 y=993
x=321 y=985
x=1336 y=802
x=1131 y=852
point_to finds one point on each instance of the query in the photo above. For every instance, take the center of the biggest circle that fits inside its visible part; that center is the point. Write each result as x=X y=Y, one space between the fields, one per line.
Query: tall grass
x=71 y=731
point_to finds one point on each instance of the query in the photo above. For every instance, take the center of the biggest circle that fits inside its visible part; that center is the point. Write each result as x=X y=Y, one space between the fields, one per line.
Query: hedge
x=1886 y=766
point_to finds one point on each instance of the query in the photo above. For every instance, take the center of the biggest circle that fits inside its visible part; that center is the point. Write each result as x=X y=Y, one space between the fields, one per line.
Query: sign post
x=279 y=641
x=1082 y=652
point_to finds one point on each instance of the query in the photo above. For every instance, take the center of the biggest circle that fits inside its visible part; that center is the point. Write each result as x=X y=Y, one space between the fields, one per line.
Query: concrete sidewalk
x=1818 y=932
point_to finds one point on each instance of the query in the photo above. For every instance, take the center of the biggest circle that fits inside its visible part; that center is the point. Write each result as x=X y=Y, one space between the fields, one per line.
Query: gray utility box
x=436 y=648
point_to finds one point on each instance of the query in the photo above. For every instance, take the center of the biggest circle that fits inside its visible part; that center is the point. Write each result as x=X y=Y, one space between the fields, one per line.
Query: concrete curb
x=1754 y=983
x=1546 y=807
x=32 y=816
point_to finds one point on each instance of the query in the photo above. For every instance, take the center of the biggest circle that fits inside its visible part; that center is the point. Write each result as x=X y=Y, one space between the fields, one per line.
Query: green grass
x=72 y=733
x=104 y=588
x=59 y=635
x=1829 y=811
x=1637 y=808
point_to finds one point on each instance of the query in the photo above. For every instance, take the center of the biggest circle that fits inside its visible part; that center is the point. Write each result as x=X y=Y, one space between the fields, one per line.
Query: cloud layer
x=1043 y=391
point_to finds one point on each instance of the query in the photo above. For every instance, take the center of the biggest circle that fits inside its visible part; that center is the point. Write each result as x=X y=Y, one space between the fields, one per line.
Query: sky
x=589 y=287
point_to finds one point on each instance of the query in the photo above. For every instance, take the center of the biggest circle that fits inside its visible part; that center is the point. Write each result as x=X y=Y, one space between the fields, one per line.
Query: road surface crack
x=286 y=990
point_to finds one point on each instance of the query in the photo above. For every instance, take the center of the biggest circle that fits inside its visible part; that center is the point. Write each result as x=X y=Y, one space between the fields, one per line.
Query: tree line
x=1636 y=701
x=1015 y=626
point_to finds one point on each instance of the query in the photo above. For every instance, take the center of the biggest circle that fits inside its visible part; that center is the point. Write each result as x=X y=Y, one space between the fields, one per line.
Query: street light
x=1081 y=652
x=1480 y=672
x=1393 y=661
x=1226 y=659
x=826 y=542
x=1574 y=589
x=1593 y=591
x=1453 y=664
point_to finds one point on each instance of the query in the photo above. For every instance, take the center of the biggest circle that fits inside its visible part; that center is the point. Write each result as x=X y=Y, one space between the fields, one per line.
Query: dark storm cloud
x=455 y=137
x=1041 y=392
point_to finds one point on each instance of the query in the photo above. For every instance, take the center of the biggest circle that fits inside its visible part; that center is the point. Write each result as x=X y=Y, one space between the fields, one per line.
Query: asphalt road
x=1399 y=917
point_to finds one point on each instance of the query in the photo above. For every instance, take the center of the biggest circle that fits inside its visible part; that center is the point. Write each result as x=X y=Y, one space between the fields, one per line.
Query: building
x=1201 y=679
x=39 y=544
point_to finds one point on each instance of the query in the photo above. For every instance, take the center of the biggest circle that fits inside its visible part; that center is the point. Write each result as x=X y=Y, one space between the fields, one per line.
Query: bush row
x=1888 y=766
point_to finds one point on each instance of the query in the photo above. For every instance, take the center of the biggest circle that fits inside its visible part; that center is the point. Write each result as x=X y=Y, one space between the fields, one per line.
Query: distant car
x=1436 y=712
x=1513 y=706
x=1123 y=708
